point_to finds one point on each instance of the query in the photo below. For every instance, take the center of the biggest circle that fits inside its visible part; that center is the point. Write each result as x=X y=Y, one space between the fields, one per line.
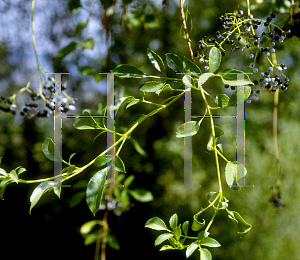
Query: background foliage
x=53 y=227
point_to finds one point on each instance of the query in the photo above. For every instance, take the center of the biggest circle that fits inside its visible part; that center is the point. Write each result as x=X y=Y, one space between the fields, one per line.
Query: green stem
x=248 y=6
x=122 y=139
x=211 y=221
x=33 y=35
x=222 y=155
x=214 y=139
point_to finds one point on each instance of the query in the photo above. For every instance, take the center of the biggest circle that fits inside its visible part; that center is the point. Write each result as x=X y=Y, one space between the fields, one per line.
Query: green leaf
x=196 y=224
x=210 y=194
x=239 y=94
x=203 y=78
x=3 y=172
x=203 y=234
x=102 y=160
x=74 y=5
x=214 y=59
x=14 y=176
x=173 y=221
x=234 y=171
x=135 y=119
x=151 y=21
x=220 y=146
x=57 y=190
x=66 y=50
x=87 y=70
x=3 y=185
x=128 y=181
x=156 y=223
x=50 y=153
x=205 y=254
x=243 y=226
x=187 y=129
x=133 y=103
x=119 y=165
x=156 y=61
x=177 y=232
x=88 y=226
x=81 y=26
x=137 y=147
x=128 y=72
x=88 y=44
x=71 y=169
x=141 y=195
x=152 y=86
x=122 y=101
x=95 y=190
x=187 y=81
x=185 y=227
x=221 y=100
x=71 y=156
x=166 y=87
x=21 y=170
x=191 y=67
x=90 y=239
x=86 y=123
x=191 y=249
x=76 y=199
x=161 y=238
x=39 y=191
x=218 y=134
x=166 y=247
x=230 y=78
x=210 y=242
x=174 y=62
x=113 y=242
x=132 y=20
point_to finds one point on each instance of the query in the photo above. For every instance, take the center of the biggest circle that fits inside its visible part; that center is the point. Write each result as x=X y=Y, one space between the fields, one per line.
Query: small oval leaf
x=234 y=171
x=39 y=191
x=156 y=61
x=174 y=62
x=152 y=86
x=141 y=195
x=128 y=71
x=161 y=238
x=173 y=221
x=187 y=129
x=156 y=223
x=210 y=242
x=51 y=151
x=191 y=67
x=185 y=227
x=214 y=59
x=191 y=249
x=205 y=254
x=95 y=190
x=203 y=78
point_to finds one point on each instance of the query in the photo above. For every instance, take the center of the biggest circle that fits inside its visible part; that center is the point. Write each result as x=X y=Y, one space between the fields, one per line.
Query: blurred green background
x=52 y=230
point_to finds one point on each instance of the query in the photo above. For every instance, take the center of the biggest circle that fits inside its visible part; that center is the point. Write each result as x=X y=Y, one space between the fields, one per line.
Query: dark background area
x=52 y=230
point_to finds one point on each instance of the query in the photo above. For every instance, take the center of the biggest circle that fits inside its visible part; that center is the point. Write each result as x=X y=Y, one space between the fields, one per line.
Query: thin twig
x=186 y=31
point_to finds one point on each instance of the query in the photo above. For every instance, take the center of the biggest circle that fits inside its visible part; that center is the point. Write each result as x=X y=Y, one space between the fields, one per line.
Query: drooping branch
x=186 y=31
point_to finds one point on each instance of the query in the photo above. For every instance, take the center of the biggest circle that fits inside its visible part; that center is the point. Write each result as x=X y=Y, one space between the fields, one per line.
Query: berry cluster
x=239 y=32
x=113 y=205
x=253 y=96
x=295 y=28
x=40 y=104
x=7 y=105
